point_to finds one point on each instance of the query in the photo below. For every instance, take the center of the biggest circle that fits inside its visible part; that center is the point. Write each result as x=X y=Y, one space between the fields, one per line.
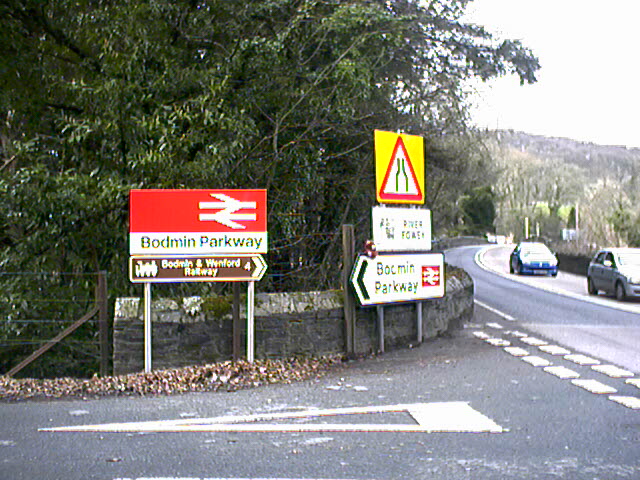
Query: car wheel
x=620 y=293
x=590 y=287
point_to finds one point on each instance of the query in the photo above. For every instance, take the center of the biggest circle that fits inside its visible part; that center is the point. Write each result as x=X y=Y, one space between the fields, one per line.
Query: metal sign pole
x=250 y=321
x=147 y=327
x=419 y=321
x=380 y=315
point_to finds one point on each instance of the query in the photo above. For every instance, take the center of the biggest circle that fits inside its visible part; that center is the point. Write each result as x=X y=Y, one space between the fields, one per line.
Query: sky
x=588 y=85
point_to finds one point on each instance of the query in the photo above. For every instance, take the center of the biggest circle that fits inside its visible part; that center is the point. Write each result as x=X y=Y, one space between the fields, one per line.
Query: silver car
x=615 y=271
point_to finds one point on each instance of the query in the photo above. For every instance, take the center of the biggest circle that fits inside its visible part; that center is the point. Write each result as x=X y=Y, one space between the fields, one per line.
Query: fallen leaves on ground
x=227 y=376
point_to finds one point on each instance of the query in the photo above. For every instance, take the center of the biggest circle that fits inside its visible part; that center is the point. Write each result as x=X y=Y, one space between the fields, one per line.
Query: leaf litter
x=226 y=376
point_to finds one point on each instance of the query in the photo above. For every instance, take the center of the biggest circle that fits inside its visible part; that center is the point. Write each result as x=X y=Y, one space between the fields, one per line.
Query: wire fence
x=35 y=308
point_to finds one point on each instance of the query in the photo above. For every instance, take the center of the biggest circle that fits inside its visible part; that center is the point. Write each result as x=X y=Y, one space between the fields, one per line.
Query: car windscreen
x=535 y=249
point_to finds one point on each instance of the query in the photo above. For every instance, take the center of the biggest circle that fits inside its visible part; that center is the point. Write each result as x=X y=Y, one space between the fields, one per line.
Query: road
x=600 y=326
x=485 y=403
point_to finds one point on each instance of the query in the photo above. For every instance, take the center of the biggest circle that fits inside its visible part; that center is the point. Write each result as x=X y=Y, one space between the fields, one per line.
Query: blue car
x=533 y=258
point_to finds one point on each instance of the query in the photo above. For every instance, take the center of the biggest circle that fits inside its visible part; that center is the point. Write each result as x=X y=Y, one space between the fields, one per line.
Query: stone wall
x=186 y=332
x=573 y=263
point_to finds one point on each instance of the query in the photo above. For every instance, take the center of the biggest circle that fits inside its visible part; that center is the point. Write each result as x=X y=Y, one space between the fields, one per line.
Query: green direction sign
x=398 y=278
x=188 y=268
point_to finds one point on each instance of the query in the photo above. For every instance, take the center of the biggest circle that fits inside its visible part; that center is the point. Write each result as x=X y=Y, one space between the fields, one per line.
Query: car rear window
x=629 y=258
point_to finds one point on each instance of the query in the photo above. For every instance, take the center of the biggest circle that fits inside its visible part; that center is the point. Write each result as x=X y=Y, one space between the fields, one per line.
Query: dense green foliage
x=478 y=211
x=99 y=97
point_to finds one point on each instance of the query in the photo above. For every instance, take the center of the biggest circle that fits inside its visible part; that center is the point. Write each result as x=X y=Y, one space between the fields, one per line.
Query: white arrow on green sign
x=398 y=278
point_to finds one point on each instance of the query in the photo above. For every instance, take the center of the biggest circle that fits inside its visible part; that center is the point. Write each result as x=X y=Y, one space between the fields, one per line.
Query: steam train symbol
x=146 y=269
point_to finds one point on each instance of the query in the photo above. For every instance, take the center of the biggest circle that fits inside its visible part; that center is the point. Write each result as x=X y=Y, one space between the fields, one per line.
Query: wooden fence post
x=102 y=300
x=348 y=252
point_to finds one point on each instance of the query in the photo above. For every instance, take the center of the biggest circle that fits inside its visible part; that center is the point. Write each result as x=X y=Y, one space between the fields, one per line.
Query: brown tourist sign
x=192 y=268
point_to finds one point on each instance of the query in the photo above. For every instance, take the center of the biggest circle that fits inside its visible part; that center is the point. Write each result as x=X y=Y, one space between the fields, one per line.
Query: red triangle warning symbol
x=400 y=182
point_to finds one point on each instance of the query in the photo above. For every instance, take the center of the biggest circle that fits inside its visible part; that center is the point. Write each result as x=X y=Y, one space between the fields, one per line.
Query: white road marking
x=516 y=333
x=629 y=402
x=562 y=372
x=455 y=417
x=533 y=341
x=516 y=351
x=581 y=359
x=536 y=361
x=498 y=342
x=481 y=335
x=495 y=325
x=594 y=386
x=634 y=381
x=554 y=350
x=612 y=371
x=509 y=318
x=216 y=478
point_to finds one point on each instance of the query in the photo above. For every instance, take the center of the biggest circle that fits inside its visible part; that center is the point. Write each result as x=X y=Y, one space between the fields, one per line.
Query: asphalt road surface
x=497 y=400
x=598 y=325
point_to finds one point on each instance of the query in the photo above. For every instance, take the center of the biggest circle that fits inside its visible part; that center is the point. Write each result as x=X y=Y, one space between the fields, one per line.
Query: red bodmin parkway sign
x=197 y=222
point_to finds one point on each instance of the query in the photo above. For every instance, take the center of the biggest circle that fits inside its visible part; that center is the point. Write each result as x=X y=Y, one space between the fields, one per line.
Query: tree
x=104 y=96
x=478 y=211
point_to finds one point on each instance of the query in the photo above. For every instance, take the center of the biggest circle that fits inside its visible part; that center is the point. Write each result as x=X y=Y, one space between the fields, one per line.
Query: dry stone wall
x=186 y=333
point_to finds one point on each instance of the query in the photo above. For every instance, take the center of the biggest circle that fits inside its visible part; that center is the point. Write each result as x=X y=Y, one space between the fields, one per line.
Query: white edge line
x=493 y=310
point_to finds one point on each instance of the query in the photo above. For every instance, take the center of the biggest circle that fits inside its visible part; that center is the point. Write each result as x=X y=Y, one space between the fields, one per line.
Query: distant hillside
x=602 y=161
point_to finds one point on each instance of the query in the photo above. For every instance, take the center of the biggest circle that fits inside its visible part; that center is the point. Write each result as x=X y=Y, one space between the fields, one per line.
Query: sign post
x=399 y=168
x=197 y=236
x=197 y=222
x=192 y=268
x=250 y=322
x=401 y=229
x=390 y=278
x=147 y=327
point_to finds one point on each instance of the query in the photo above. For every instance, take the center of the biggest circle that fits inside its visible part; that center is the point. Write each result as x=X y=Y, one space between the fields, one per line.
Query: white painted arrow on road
x=227 y=216
x=456 y=417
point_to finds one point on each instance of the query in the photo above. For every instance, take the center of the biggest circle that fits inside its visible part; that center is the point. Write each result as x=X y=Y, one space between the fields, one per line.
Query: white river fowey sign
x=398 y=278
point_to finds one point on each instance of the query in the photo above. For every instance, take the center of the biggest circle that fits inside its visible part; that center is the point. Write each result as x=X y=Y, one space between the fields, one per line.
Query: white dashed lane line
x=562 y=372
x=594 y=386
x=629 y=402
x=516 y=351
x=536 y=361
x=481 y=335
x=581 y=359
x=554 y=350
x=498 y=342
x=495 y=325
x=612 y=371
x=634 y=381
x=495 y=334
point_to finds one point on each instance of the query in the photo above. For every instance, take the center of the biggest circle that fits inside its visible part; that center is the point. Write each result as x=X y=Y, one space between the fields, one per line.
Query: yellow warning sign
x=399 y=167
